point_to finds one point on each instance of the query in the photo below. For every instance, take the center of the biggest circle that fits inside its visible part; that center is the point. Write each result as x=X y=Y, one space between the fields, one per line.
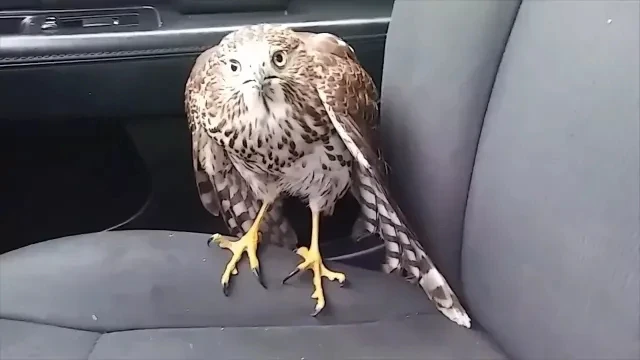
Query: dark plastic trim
x=142 y=73
x=226 y=6
x=190 y=34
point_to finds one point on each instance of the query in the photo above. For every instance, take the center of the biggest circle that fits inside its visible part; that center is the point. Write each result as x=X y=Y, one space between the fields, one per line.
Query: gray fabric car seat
x=514 y=132
x=545 y=246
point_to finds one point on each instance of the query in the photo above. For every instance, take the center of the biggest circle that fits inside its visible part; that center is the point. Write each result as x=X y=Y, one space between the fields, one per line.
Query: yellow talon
x=313 y=261
x=247 y=243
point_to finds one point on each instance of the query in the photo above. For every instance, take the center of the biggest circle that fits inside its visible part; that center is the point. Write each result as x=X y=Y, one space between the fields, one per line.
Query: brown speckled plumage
x=310 y=132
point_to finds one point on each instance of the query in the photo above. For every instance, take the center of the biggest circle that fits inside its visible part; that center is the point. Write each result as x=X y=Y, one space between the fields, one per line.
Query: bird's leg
x=313 y=261
x=248 y=243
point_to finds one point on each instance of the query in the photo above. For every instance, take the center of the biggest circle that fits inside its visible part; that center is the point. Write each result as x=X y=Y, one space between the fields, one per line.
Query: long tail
x=381 y=215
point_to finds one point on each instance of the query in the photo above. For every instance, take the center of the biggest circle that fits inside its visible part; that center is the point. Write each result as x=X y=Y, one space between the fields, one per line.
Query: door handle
x=54 y=23
x=69 y=22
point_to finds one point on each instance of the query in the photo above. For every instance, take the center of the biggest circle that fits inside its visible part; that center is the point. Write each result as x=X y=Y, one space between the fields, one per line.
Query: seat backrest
x=440 y=62
x=546 y=231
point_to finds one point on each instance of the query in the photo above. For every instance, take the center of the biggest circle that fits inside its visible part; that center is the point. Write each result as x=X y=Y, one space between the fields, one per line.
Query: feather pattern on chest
x=282 y=141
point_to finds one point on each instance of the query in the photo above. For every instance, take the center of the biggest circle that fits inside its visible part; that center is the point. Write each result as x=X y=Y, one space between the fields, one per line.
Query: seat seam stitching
x=489 y=336
x=475 y=155
x=93 y=347
x=47 y=324
x=399 y=317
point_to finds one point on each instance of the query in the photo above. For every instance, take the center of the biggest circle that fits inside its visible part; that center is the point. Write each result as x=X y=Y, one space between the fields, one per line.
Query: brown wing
x=355 y=91
x=204 y=181
x=350 y=101
x=223 y=191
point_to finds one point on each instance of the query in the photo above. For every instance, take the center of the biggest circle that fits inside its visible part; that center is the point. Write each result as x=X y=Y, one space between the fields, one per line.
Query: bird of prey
x=275 y=112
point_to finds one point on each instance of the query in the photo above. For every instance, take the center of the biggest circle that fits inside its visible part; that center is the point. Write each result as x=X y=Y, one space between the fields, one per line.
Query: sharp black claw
x=316 y=312
x=209 y=241
x=345 y=283
x=225 y=289
x=257 y=274
x=292 y=274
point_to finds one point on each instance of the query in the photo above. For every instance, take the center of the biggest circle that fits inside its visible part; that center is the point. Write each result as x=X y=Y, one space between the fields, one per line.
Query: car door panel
x=143 y=72
x=132 y=81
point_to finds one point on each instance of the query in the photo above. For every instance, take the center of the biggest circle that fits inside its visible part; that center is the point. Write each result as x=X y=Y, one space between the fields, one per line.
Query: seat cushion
x=551 y=255
x=157 y=295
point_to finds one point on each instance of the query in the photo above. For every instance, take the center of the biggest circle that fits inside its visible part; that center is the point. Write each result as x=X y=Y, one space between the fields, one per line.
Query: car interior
x=512 y=133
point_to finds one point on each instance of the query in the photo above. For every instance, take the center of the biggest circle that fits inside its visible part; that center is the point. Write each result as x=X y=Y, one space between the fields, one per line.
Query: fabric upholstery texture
x=513 y=135
x=549 y=232
x=157 y=295
x=551 y=254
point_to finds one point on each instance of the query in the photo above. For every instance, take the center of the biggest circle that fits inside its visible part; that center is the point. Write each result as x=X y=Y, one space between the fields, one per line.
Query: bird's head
x=260 y=63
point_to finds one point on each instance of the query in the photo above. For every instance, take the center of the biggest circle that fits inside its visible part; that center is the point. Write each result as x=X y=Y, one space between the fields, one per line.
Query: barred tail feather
x=224 y=192
x=404 y=253
x=277 y=228
x=240 y=208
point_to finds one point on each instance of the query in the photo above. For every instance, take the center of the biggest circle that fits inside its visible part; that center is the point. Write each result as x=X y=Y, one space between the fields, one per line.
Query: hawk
x=276 y=112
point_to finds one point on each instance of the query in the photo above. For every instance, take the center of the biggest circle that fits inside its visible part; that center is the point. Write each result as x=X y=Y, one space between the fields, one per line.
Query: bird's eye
x=234 y=65
x=279 y=58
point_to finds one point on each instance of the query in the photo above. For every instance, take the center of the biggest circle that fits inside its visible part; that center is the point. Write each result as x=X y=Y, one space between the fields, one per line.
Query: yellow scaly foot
x=247 y=243
x=313 y=261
